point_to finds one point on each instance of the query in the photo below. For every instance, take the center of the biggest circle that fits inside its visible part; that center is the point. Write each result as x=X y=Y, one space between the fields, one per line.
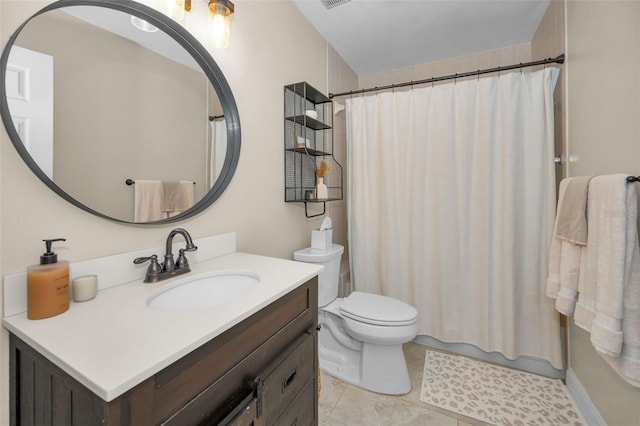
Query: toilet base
x=382 y=370
x=378 y=368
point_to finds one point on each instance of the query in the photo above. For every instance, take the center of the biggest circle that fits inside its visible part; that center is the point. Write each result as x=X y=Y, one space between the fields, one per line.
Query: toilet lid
x=379 y=310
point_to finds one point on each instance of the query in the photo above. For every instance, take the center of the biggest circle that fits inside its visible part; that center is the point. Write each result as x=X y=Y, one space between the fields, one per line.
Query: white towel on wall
x=147 y=205
x=604 y=275
x=565 y=254
x=614 y=200
x=571 y=255
x=609 y=298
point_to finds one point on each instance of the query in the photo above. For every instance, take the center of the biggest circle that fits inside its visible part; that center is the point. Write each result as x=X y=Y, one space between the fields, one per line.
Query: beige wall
x=489 y=59
x=341 y=78
x=265 y=54
x=102 y=134
x=549 y=42
x=603 y=117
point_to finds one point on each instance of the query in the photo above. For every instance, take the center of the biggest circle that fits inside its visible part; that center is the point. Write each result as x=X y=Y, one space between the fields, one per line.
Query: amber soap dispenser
x=48 y=285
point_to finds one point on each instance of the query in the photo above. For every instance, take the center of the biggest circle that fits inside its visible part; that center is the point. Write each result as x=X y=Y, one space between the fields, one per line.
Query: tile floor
x=342 y=404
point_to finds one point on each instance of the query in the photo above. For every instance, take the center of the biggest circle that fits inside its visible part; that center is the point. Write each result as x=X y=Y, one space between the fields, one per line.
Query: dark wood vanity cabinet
x=262 y=371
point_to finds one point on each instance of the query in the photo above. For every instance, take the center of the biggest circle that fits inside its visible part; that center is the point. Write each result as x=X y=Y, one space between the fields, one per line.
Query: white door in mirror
x=29 y=83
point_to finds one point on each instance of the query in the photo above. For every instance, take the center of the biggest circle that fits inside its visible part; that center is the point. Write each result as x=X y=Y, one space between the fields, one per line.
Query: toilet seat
x=379 y=310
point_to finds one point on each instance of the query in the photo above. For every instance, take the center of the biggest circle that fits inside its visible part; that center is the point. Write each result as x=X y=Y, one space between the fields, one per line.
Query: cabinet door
x=301 y=411
x=248 y=416
x=292 y=373
x=245 y=415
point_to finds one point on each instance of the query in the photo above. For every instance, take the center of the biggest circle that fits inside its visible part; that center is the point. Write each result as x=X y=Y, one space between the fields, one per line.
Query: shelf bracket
x=324 y=209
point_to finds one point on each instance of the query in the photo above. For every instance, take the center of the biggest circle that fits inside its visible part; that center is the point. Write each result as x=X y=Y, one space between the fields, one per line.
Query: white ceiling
x=119 y=23
x=381 y=35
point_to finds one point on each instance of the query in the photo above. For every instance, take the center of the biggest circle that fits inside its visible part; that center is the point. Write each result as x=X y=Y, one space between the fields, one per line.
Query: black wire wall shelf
x=309 y=122
x=308 y=151
x=308 y=140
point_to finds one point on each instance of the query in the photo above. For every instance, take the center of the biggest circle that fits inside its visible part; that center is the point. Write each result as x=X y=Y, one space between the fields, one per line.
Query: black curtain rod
x=633 y=179
x=558 y=60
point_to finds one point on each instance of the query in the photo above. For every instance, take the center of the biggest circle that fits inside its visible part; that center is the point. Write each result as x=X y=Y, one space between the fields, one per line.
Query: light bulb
x=172 y=8
x=220 y=22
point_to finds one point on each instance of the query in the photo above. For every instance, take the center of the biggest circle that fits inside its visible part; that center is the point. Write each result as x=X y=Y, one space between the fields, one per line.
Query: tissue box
x=321 y=240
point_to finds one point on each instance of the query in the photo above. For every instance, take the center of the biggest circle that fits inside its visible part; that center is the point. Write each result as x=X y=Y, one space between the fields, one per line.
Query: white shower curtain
x=451 y=208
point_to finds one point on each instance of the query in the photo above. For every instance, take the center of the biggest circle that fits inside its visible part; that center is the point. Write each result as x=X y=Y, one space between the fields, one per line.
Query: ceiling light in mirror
x=143 y=25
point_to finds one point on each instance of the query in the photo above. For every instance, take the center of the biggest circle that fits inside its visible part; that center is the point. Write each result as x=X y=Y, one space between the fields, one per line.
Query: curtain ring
x=520 y=67
x=433 y=80
x=478 y=75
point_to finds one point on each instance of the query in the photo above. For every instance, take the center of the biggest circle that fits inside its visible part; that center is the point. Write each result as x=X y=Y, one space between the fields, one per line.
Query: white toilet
x=361 y=336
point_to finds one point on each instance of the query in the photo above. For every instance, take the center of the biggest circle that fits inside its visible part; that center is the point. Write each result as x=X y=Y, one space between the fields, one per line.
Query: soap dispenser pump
x=48 y=285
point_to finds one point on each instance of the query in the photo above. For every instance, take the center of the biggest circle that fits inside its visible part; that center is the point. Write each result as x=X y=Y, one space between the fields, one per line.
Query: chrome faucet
x=169 y=268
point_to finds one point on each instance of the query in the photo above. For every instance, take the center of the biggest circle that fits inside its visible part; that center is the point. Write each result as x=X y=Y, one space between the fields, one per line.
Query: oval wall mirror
x=101 y=94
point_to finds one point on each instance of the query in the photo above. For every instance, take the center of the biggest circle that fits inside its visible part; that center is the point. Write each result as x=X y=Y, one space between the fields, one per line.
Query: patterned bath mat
x=494 y=394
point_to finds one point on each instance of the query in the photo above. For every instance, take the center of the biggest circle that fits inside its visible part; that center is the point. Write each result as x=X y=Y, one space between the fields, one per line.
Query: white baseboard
x=588 y=410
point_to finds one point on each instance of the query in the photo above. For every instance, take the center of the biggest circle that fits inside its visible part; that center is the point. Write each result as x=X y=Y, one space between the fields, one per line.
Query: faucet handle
x=182 y=262
x=154 y=266
x=140 y=260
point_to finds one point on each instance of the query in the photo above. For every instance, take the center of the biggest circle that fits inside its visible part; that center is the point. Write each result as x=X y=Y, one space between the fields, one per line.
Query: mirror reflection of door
x=29 y=85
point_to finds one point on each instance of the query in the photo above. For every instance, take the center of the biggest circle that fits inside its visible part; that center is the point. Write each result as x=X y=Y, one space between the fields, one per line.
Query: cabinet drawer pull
x=286 y=382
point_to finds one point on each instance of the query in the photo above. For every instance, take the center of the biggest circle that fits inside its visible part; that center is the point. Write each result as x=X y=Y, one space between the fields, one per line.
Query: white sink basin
x=203 y=291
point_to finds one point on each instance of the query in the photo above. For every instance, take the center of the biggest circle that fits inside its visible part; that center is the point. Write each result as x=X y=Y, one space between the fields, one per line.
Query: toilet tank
x=329 y=277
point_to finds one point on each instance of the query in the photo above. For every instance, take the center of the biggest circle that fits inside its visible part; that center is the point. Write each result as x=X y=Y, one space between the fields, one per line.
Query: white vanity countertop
x=114 y=342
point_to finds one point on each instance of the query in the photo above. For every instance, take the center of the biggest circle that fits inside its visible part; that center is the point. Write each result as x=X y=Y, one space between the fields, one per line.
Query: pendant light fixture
x=219 y=16
x=220 y=22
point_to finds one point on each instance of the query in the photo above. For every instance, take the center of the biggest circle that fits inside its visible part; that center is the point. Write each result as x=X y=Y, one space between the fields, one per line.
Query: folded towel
x=571 y=222
x=177 y=196
x=585 y=310
x=555 y=252
x=616 y=212
x=565 y=256
x=570 y=257
x=627 y=365
x=147 y=201
x=553 y=278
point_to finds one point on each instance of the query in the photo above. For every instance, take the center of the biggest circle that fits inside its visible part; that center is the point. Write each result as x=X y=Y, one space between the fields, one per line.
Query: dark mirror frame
x=199 y=54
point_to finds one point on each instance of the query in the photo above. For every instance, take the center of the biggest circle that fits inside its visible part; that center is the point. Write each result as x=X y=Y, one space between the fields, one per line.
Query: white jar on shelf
x=321 y=189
